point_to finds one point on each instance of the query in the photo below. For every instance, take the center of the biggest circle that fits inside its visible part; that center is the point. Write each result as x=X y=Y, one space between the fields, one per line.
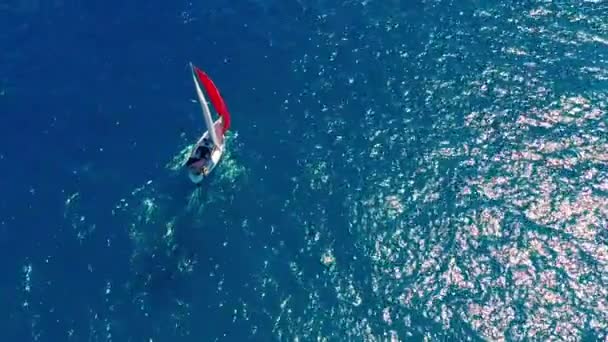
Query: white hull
x=216 y=154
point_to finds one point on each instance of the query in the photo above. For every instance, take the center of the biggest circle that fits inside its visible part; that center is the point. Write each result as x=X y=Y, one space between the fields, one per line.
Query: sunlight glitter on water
x=526 y=202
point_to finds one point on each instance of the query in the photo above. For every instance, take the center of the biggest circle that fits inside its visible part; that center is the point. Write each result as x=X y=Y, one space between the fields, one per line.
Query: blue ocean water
x=431 y=170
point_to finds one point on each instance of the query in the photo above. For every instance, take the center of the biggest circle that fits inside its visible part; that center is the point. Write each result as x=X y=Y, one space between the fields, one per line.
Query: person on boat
x=198 y=162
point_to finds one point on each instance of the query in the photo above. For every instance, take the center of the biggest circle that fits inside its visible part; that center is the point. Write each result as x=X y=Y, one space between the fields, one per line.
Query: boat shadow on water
x=170 y=225
x=166 y=251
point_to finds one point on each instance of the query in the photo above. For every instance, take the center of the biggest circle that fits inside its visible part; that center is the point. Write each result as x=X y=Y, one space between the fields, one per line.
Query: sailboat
x=208 y=150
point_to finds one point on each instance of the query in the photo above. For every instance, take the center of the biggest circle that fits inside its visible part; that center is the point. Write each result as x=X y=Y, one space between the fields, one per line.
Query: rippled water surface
x=435 y=170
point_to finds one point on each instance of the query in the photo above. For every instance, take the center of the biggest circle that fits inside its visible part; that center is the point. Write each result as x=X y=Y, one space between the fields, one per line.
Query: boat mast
x=206 y=111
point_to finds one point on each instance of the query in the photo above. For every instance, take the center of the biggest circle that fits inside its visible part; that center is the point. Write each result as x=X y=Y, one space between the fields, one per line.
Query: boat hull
x=216 y=154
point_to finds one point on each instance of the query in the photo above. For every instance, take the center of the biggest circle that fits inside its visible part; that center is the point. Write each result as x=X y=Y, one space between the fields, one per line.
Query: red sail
x=216 y=98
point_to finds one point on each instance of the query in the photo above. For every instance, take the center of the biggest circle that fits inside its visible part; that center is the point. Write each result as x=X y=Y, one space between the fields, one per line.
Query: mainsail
x=216 y=98
x=206 y=111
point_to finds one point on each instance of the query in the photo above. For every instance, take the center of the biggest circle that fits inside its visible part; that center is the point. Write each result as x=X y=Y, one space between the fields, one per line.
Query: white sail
x=206 y=111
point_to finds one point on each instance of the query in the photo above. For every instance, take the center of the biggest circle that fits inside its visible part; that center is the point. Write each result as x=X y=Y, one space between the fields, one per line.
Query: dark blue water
x=396 y=171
